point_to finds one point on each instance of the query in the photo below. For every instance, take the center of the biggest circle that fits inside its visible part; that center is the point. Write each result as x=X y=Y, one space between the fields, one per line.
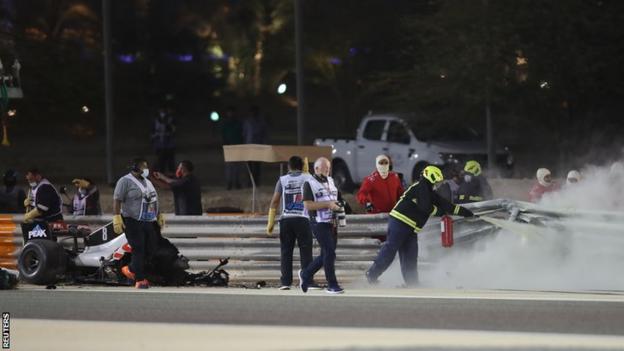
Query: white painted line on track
x=62 y=335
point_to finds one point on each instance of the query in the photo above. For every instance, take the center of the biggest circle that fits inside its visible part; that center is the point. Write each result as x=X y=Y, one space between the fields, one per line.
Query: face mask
x=32 y=184
x=467 y=178
x=383 y=170
x=145 y=173
x=179 y=173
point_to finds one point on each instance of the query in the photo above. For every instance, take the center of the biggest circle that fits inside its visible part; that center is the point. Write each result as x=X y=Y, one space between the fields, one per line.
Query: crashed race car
x=97 y=256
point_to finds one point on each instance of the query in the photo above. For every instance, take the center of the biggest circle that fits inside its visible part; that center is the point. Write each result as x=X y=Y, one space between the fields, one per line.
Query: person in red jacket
x=381 y=190
x=544 y=185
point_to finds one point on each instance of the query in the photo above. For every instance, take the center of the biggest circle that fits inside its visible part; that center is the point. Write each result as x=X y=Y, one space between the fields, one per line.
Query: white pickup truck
x=391 y=135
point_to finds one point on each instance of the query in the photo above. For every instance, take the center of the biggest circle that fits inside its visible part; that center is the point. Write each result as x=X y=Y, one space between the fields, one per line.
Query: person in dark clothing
x=232 y=134
x=294 y=223
x=12 y=196
x=136 y=214
x=474 y=186
x=186 y=190
x=43 y=202
x=163 y=140
x=406 y=219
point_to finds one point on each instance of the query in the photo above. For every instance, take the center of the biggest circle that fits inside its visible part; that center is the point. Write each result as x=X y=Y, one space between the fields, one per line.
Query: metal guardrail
x=256 y=256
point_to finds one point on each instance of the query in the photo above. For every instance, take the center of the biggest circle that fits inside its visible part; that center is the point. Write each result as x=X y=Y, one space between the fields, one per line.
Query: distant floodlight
x=281 y=89
x=11 y=113
x=214 y=116
x=544 y=85
x=84 y=109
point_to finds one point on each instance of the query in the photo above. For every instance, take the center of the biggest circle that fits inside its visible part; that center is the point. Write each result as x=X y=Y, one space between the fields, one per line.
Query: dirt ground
x=213 y=197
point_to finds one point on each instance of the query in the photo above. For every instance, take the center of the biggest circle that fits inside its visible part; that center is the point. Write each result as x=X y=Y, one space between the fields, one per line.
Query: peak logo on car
x=37 y=232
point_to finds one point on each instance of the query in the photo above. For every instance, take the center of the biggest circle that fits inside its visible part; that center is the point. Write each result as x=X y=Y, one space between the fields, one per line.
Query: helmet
x=541 y=175
x=574 y=176
x=433 y=174
x=473 y=167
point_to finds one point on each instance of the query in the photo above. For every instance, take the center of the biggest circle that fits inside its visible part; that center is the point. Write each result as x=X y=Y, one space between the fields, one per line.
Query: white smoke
x=577 y=253
x=601 y=188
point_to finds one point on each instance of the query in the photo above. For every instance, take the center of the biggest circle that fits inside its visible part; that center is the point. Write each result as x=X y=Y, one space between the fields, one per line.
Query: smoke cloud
x=580 y=252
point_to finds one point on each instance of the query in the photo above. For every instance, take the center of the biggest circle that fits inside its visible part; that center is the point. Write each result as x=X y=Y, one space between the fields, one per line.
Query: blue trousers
x=327 y=239
x=401 y=238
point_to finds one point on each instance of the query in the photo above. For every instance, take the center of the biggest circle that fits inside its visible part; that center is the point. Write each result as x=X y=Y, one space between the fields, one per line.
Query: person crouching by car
x=136 y=211
x=321 y=199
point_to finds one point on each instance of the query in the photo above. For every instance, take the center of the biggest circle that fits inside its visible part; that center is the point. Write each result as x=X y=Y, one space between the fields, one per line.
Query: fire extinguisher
x=446 y=224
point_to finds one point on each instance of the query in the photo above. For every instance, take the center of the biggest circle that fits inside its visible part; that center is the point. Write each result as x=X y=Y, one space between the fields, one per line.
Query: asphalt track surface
x=597 y=314
x=122 y=318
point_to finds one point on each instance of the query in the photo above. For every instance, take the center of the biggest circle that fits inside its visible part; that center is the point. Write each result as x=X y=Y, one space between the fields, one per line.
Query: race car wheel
x=41 y=261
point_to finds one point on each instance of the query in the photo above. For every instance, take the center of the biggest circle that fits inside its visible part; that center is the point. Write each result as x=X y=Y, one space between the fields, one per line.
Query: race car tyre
x=41 y=262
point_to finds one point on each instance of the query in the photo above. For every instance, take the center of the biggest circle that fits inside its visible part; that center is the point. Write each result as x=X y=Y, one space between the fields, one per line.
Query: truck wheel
x=342 y=177
x=41 y=261
x=420 y=166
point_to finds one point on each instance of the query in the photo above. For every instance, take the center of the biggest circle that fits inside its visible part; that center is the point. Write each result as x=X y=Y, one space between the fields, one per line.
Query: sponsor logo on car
x=37 y=232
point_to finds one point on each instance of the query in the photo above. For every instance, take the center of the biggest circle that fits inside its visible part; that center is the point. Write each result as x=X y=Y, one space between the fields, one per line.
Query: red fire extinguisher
x=446 y=223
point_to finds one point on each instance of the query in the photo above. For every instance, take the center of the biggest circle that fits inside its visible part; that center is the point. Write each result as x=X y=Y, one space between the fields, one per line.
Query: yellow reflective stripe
x=435 y=209
x=475 y=198
x=403 y=218
x=403 y=195
x=461 y=197
x=456 y=210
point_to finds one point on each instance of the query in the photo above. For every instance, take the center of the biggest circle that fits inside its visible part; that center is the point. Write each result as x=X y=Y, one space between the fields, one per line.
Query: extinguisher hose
x=524 y=230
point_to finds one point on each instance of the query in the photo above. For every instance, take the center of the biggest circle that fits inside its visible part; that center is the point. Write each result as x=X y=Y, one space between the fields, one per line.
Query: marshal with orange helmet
x=408 y=216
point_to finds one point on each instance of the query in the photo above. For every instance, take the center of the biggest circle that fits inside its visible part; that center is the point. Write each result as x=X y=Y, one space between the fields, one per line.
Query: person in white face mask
x=137 y=214
x=544 y=185
x=43 y=202
x=381 y=190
